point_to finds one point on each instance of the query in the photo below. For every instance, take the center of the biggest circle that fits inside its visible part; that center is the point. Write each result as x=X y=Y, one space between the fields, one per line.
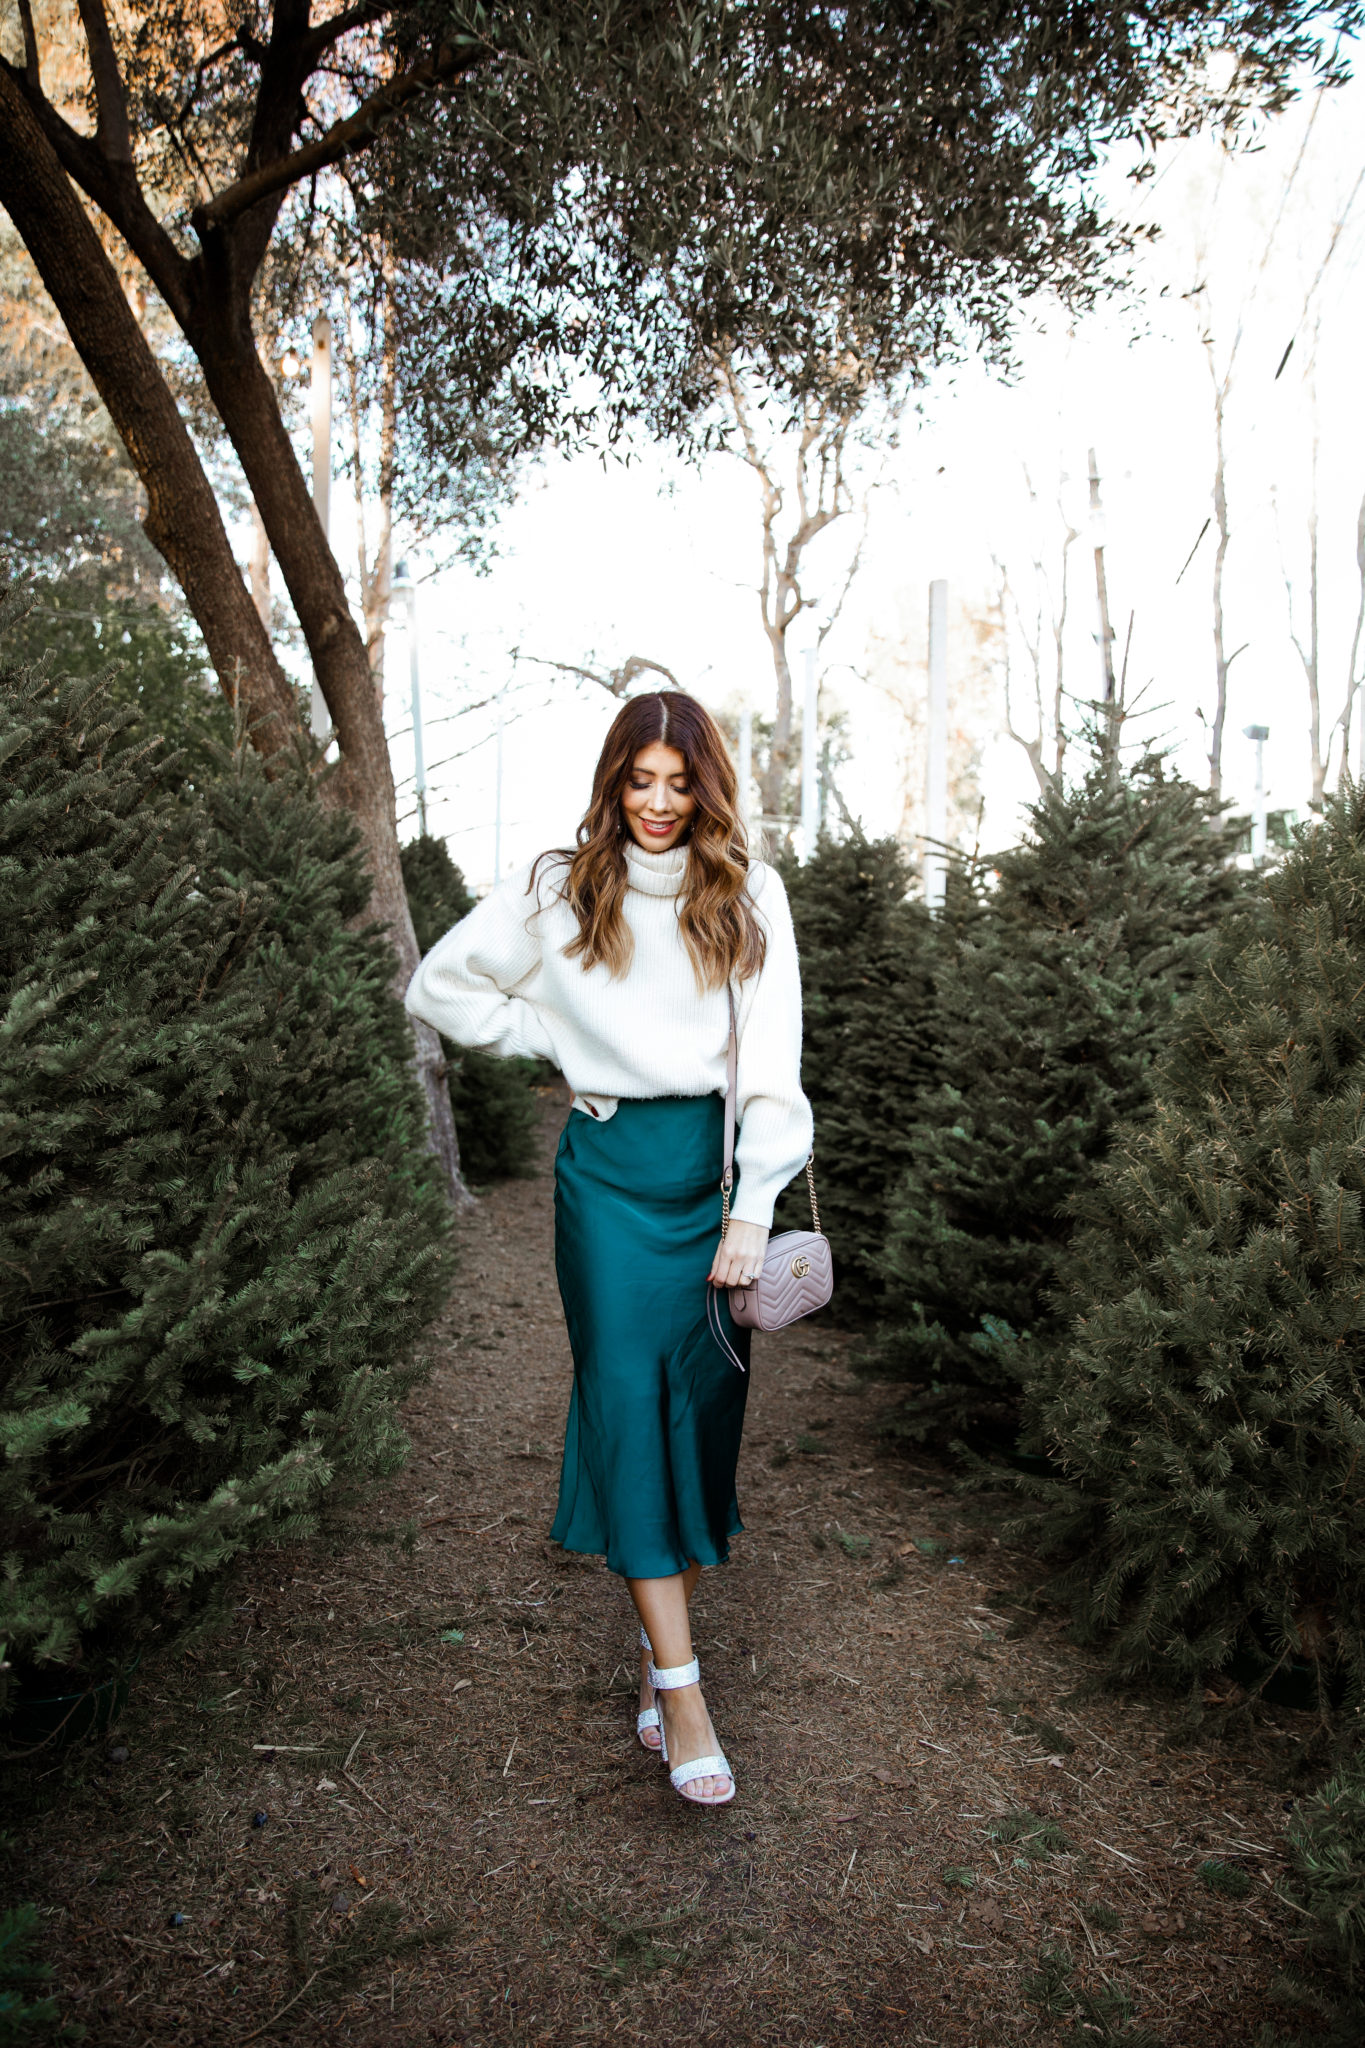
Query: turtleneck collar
x=655 y=874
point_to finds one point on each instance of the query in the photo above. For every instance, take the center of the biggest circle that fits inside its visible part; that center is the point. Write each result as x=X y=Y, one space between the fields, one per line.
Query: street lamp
x=1259 y=733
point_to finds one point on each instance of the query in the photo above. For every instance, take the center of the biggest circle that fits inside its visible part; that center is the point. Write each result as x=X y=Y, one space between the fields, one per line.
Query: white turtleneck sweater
x=501 y=980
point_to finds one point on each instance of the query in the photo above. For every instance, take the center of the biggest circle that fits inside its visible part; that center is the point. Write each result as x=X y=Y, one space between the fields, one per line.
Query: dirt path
x=460 y=1841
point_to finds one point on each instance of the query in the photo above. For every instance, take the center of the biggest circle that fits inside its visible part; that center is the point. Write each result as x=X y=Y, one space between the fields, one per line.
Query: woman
x=619 y=961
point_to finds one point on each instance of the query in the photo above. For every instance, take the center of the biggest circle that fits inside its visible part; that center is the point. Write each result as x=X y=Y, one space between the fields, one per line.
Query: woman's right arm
x=467 y=985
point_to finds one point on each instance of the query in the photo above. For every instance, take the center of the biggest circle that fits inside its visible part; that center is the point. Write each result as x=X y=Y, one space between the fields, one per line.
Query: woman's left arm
x=774 y=1115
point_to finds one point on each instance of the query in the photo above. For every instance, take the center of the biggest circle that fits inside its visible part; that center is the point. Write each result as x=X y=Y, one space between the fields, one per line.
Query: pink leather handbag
x=797 y=1275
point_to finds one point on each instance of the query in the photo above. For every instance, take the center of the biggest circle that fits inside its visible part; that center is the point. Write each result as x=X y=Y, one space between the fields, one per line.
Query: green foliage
x=220 y=1231
x=1098 y=2017
x=1047 y=1016
x=1226 y=1879
x=438 y=895
x=1029 y=1834
x=866 y=958
x=1208 y=1412
x=25 y=2018
x=495 y=1114
x=629 y=192
x=331 y=1955
x=1326 y=1886
x=149 y=656
x=70 y=501
x=1102 y=1916
x=70 y=524
x=1327 y=1856
x=493 y=1099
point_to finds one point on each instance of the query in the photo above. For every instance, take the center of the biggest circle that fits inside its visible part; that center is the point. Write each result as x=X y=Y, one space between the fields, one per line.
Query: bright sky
x=662 y=560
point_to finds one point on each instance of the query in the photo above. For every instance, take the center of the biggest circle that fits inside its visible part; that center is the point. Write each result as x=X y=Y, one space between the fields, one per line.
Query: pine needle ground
x=401 y=1801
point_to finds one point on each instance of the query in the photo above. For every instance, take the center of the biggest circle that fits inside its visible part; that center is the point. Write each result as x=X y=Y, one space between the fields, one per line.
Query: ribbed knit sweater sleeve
x=774 y=1115
x=467 y=986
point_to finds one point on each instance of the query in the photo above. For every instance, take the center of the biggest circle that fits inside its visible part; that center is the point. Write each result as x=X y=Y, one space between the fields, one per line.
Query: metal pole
x=810 y=789
x=1259 y=733
x=746 y=761
x=419 y=762
x=497 y=809
x=936 y=776
x=320 y=396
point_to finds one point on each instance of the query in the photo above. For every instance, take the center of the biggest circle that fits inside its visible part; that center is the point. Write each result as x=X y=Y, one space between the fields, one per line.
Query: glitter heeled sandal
x=648 y=1717
x=713 y=1766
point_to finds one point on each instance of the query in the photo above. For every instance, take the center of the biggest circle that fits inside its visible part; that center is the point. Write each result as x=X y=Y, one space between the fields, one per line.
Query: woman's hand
x=739 y=1255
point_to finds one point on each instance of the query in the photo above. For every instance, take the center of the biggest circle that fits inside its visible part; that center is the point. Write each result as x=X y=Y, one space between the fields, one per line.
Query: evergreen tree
x=438 y=894
x=220 y=1230
x=866 y=954
x=28 y=2011
x=493 y=1099
x=1046 y=1019
x=1326 y=1886
x=1209 y=1408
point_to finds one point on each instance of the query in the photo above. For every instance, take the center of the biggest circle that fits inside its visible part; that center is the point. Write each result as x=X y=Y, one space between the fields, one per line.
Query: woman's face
x=657 y=801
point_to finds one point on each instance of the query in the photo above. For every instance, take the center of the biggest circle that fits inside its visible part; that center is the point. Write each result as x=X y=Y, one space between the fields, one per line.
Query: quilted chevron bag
x=797 y=1275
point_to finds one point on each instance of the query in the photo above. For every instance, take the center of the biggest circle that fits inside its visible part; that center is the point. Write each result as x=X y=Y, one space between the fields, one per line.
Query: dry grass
x=460 y=1841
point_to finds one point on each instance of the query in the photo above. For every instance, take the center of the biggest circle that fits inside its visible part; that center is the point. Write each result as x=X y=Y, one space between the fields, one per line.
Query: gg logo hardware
x=800 y=1266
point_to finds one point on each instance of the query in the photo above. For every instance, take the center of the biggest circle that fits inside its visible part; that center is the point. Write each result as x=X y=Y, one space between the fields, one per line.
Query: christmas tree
x=1326 y=1887
x=220 y=1231
x=1048 y=1013
x=1208 y=1409
x=438 y=895
x=494 y=1100
x=866 y=956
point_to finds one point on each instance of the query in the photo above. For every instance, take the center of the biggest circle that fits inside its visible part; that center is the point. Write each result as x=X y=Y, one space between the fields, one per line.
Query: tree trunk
x=219 y=332
x=1220 y=657
x=773 y=784
x=183 y=521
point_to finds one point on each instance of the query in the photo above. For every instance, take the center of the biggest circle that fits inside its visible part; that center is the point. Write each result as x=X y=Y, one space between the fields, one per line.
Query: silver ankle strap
x=674 y=1676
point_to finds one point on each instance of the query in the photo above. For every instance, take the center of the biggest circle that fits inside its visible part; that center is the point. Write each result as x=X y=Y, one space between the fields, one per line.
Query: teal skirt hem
x=652 y=1439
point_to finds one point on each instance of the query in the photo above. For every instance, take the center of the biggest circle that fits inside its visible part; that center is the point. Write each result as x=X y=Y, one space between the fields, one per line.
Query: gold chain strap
x=810 y=1183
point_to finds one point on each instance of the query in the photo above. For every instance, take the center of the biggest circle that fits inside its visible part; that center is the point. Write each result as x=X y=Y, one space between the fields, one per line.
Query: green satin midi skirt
x=657 y=1410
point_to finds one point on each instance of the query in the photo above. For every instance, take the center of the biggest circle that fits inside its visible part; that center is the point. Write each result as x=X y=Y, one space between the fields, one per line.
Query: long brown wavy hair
x=719 y=926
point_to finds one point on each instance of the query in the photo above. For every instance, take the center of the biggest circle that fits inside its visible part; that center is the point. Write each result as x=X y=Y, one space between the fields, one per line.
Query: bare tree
x=1308 y=647
x=374 y=567
x=1222 y=660
x=616 y=681
x=1353 y=678
x=1308 y=643
x=1044 y=639
x=822 y=491
x=1310 y=654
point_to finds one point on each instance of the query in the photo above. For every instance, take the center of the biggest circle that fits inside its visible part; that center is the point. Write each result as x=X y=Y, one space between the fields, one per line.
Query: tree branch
x=341 y=140
x=32 y=76
x=329 y=32
x=112 y=135
x=1352 y=678
x=617 y=680
x=114 y=188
